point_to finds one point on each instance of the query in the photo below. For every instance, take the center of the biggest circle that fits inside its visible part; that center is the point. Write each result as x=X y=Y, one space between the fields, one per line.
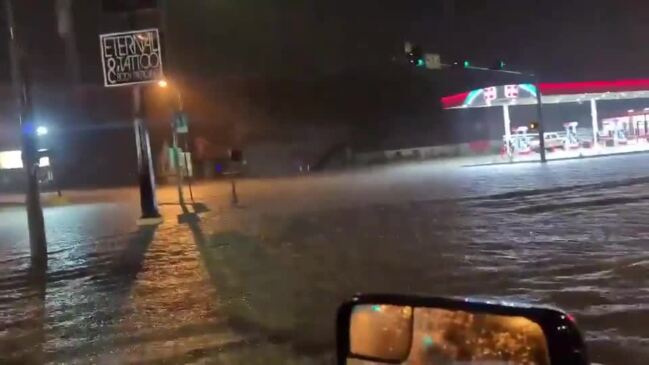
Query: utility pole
x=22 y=88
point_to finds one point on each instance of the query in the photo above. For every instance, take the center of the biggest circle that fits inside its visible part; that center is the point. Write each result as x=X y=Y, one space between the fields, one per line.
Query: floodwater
x=259 y=284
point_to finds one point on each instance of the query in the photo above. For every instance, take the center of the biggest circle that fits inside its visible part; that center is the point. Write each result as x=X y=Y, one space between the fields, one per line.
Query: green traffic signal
x=467 y=64
x=416 y=57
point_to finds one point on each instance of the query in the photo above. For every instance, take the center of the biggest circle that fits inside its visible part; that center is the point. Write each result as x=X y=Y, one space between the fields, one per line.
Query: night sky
x=252 y=69
x=563 y=40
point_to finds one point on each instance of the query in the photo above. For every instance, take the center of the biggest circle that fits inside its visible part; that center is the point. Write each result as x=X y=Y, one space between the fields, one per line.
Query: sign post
x=176 y=126
x=131 y=59
x=181 y=126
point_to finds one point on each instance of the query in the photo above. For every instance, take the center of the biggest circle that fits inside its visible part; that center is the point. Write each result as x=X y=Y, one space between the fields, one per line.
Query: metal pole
x=22 y=87
x=189 y=177
x=235 y=198
x=594 y=121
x=146 y=176
x=181 y=107
x=55 y=177
x=539 y=111
x=508 y=130
x=179 y=171
x=148 y=203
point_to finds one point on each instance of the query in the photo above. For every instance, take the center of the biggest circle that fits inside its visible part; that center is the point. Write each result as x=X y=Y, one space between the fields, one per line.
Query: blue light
x=28 y=128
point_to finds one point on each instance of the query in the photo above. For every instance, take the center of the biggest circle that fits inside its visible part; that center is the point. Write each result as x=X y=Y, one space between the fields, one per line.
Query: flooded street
x=259 y=283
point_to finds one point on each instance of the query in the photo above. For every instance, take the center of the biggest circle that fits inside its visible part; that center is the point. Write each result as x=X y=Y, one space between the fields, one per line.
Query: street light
x=41 y=131
x=164 y=84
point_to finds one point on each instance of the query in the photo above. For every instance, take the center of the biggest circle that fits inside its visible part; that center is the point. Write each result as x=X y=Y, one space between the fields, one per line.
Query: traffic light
x=499 y=65
x=416 y=57
x=125 y=6
x=461 y=64
x=534 y=126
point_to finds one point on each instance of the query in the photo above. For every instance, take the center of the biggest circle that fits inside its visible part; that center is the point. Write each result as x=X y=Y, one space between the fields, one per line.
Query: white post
x=508 y=129
x=593 y=115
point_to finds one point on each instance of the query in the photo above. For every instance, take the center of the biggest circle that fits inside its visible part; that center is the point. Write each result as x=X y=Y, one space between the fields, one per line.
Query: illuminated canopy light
x=566 y=92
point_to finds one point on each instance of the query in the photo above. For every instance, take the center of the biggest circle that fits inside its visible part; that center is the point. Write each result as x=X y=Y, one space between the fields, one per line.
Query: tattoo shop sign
x=132 y=57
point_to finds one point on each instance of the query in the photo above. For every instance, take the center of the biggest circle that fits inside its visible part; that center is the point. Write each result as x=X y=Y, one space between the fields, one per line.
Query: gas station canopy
x=628 y=133
x=552 y=93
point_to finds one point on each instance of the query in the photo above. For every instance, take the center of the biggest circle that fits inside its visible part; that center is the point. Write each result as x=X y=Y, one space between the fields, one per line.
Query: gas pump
x=571 y=141
x=641 y=128
x=620 y=133
x=614 y=131
x=521 y=141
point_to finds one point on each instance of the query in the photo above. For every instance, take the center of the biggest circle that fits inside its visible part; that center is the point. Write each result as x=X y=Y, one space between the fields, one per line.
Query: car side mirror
x=393 y=329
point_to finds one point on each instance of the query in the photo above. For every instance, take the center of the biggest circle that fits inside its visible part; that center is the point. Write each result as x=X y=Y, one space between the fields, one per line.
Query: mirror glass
x=442 y=336
x=381 y=331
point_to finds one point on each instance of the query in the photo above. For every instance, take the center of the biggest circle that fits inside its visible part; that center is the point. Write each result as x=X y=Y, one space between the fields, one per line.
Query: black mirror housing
x=564 y=341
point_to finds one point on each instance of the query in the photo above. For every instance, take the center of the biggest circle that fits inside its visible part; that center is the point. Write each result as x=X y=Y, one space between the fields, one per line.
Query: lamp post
x=164 y=84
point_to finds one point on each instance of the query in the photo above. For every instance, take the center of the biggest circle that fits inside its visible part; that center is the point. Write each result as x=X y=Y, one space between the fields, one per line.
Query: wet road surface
x=260 y=283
